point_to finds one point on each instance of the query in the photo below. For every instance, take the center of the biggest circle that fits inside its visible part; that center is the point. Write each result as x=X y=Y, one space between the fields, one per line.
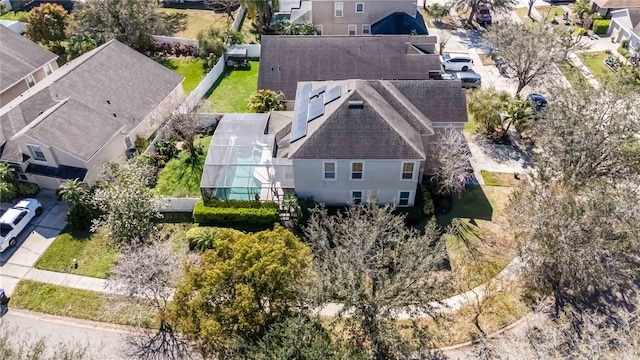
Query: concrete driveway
x=34 y=240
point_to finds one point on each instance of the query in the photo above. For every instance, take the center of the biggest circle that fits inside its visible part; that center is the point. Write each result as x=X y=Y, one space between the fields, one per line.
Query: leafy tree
x=240 y=287
x=76 y=194
x=131 y=22
x=80 y=44
x=149 y=272
x=371 y=262
x=8 y=181
x=235 y=37
x=589 y=134
x=473 y=5
x=266 y=100
x=452 y=168
x=486 y=107
x=261 y=11
x=578 y=244
x=289 y=28
x=299 y=338
x=582 y=8
x=211 y=41
x=47 y=24
x=128 y=206
x=529 y=50
x=519 y=113
x=438 y=11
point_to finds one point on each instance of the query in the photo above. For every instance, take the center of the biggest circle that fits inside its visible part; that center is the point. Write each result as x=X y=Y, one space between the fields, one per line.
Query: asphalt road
x=101 y=343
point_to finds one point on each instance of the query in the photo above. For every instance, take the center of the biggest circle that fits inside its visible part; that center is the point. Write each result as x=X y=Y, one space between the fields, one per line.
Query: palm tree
x=261 y=11
x=74 y=192
x=290 y=202
x=8 y=181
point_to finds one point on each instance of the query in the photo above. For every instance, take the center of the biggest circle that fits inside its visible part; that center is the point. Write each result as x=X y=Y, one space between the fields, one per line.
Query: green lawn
x=192 y=70
x=595 y=62
x=552 y=11
x=94 y=254
x=522 y=14
x=19 y=16
x=500 y=179
x=198 y=20
x=572 y=74
x=181 y=176
x=232 y=90
x=81 y=304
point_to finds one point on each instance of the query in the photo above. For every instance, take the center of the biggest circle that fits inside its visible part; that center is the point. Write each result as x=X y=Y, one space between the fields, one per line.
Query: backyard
x=232 y=90
x=198 y=20
x=191 y=68
x=181 y=176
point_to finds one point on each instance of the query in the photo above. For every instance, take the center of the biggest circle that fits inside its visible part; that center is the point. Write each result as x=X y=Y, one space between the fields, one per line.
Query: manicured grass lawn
x=470 y=127
x=19 y=16
x=595 y=62
x=232 y=90
x=552 y=11
x=572 y=74
x=181 y=176
x=94 y=254
x=197 y=20
x=501 y=179
x=522 y=14
x=192 y=70
x=81 y=304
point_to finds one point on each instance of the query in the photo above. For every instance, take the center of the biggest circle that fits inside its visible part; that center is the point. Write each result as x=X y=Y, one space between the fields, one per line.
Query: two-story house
x=359 y=17
x=85 y=114
x=343 y=140
x=23 y=64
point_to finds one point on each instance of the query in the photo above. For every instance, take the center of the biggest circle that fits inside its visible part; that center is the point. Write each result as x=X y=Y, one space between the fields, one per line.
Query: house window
x=366 y=29
x=338 y=7
x=407 y=171
x=47 y=69
x=352 y=29
x=319 y=29
x=357 y=171
x=403 y=200
x=359 y=7
x=30 y=80
x=356 y=197
x=329 y=171
x=36 y=153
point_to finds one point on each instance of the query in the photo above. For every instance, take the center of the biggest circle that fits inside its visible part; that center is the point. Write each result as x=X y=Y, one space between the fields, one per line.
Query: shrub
x=601 y=26
x=167 y=149
x=230 y=217
x=28 y=189
x=141 y=144
x=265 y=100
x=242 y=204
x=7 y=191
x=201 y=238
x=622 y=50
x=427 y=202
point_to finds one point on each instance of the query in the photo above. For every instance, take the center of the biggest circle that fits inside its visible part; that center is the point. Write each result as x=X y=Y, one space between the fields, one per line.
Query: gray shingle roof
x=19 y=57
x=286 y=60
x=395 y=116
x=617 y=4
x=134 y=85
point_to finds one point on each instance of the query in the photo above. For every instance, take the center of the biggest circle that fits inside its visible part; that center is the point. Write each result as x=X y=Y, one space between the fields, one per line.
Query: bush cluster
x=175 y=49
x=234 y=216
x=601 y=26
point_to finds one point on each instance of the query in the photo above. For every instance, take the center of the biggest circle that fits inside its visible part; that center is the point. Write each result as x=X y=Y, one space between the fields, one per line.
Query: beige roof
x=617 y=4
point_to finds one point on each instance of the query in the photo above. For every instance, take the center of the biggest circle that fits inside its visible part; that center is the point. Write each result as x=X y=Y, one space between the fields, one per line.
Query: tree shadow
x=472 y=204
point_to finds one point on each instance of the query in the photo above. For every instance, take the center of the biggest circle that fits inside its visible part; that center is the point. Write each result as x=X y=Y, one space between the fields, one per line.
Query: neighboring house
x=625 y=26
x=17 y=27
x=23 y=64
x=87 y=113
x=363 y=17
x=343 y=140
x=605 y=7
x=27 y=5
x=320 y=58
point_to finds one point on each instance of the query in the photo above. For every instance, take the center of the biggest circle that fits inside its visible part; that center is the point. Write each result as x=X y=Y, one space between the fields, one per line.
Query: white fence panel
x=237 y=22
x=174 y=40
x=177 y=204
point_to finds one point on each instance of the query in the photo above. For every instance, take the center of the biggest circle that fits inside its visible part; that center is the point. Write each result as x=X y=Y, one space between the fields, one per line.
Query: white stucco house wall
x=625 y=26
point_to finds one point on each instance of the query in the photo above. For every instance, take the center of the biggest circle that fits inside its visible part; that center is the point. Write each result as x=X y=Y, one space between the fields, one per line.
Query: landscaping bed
x=231 y=92
x=93 y=252
x=81 y=304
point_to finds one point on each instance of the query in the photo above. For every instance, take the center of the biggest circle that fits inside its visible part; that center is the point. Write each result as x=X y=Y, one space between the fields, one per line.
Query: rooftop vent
x=108 y=101
x=356 y=104
x=114 y=115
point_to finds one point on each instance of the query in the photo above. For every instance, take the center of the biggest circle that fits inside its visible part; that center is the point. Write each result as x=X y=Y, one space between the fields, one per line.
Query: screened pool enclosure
x=240 y=163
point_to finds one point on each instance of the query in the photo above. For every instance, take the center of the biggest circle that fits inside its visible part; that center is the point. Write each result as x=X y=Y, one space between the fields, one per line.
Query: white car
x=456 y=62
x=14 y=220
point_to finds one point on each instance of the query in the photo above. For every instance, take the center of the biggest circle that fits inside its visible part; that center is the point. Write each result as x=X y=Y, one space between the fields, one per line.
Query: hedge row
x=242 y=204
x=601 y=26
x=232 y=217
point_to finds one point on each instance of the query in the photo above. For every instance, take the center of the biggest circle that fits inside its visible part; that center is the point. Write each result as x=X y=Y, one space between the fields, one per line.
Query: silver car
x=469 y=80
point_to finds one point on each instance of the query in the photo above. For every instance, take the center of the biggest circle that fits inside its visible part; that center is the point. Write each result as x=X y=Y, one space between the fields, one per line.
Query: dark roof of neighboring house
x=617 y=4
x=19 y=57
x=389 y=125
x=286 y=60
x=112 y=79
x=400 y=23
x=634 y=16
